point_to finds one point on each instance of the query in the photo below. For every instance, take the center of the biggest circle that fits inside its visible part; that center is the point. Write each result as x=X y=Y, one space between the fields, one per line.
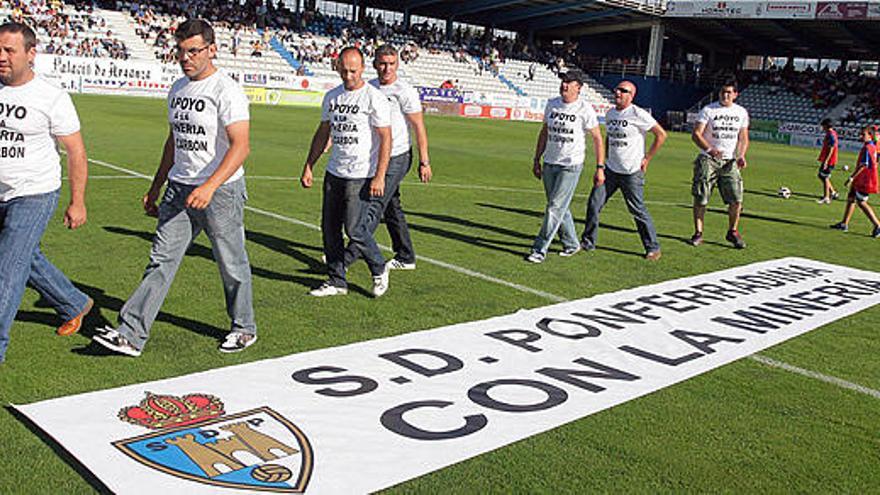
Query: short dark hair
x=195 y=27
x=30 y=38
x=729 y=83
x=384 y=51
x=826 y=123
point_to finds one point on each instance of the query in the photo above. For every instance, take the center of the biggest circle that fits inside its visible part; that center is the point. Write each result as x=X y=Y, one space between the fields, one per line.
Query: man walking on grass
x=626 y=126
x=722 y=135
x=406 y=114
x=35 y=115
x=202 y=160
x=562 y=146
x=357 y=117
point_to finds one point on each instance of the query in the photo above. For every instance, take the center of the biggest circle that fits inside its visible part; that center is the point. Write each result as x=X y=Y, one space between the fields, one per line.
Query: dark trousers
x=344 y=202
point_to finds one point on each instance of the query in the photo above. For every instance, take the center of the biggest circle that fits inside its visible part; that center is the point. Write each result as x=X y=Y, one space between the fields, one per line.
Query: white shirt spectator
x=567 y=127
x=722 y=127
x=626 y=131
x=352 y=116
x=31 y=117
x=199 y=112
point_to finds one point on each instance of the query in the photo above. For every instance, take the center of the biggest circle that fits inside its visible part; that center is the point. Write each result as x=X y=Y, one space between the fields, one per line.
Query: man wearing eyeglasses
x=626 y=126
x=202 y=160
x=722 y=134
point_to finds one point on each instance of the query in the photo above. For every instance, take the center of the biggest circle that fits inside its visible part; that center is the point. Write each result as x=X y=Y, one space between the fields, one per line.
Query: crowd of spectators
x=67 y=29
x=825 y=88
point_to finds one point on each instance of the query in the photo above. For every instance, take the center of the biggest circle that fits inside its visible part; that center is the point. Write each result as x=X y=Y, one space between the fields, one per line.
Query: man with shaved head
x=626 y=126
x=357 y=117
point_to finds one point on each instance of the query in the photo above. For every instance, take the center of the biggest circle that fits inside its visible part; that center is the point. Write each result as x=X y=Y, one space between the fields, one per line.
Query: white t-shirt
x=626 y=131
x=722 y=127
x=199 y=112
x=567 y=126
x=352 y=116
x=404 y=100
x=31 y=116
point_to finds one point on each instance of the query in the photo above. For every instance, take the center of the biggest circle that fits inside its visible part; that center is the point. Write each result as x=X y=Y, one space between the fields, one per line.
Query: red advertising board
x=842 y=10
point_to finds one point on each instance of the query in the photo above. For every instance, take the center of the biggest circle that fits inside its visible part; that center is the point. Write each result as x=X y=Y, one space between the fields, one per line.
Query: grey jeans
x=633 y=188
x=223 y=222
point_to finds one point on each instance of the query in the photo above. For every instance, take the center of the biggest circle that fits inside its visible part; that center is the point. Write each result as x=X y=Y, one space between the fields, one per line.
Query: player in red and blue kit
x=827 y=161
x=862 y=182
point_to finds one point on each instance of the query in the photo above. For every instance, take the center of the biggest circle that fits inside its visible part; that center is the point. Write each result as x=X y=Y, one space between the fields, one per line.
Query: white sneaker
x=824 y=201
x=380 y=283
x=237 y=341
x=113 y=340
x=565 y=253
x=327 y=289
x=535 y=257
x=396 y=264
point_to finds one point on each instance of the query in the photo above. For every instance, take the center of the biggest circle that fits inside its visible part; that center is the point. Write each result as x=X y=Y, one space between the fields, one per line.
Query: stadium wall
x=657 y=95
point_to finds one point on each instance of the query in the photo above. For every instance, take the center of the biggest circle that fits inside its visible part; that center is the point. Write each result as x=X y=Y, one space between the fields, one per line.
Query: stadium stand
x=67 y=29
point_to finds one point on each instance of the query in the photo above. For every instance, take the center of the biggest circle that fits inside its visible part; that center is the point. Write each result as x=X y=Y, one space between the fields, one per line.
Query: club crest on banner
x=257 y=450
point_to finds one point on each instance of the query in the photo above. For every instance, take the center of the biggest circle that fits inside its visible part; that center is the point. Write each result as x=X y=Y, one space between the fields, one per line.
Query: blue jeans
x=22 y=223
x=223 y=222
x=388 y=206
x=343 y=203
x=559 y=184
x=632 y=186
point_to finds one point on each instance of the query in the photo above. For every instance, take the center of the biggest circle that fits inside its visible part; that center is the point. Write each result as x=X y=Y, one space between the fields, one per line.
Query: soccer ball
x=271 y=473
x=784 y=192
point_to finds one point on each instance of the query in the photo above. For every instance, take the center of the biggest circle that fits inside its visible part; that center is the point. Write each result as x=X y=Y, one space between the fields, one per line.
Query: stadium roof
x=523 y=15
x=847 y=40
x=851 y=40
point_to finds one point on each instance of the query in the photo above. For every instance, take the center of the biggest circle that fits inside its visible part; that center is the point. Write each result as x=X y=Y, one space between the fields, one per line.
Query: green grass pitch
x=744 y=427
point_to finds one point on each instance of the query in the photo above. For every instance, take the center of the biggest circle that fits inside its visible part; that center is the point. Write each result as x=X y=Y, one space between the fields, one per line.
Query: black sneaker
x=734 y=238
x=696 y=239
x=876 y=233
x=237 y=341
x=840 y=226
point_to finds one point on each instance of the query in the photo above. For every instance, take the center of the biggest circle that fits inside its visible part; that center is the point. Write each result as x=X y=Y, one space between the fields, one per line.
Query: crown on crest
x=166 y=411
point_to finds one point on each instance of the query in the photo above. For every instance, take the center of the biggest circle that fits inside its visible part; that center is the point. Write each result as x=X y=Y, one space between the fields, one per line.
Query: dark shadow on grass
x=540 y=214
x=770 y=193
x=283 y=246
x=476 y=241
x=746 y=214
x=60 y=451
x=96 y=320
x=471 y=224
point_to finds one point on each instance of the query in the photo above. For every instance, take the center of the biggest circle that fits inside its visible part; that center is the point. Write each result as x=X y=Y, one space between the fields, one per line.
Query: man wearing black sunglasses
x=626 y=126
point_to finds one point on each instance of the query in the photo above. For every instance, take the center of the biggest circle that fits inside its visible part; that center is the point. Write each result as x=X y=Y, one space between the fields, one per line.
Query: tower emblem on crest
x=193 y=439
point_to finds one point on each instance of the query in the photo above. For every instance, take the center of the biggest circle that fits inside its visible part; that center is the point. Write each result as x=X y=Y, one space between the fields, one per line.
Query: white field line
x=839 y=382
x=818 y=376
x=442 y=264
x=482 y=187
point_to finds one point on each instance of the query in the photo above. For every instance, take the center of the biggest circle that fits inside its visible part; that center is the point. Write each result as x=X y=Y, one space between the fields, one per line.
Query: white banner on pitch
x=366 y=416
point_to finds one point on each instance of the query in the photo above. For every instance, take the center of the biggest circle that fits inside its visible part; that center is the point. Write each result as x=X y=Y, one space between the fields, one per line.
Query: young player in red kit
x=827 y=161
x=862 y=182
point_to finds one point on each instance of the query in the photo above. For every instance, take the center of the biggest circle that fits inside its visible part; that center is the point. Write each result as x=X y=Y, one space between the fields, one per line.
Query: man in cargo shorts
x=722 y=134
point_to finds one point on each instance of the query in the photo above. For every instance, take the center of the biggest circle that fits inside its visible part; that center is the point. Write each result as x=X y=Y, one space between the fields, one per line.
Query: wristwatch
x=600 y=166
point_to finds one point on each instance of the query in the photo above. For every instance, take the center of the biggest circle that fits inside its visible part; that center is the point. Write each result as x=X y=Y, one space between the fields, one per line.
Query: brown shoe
x=72 y=325
x=653 y=255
